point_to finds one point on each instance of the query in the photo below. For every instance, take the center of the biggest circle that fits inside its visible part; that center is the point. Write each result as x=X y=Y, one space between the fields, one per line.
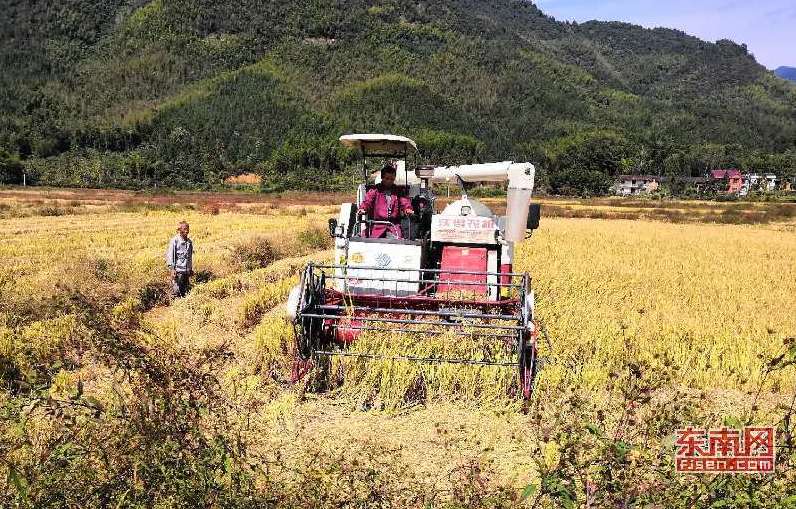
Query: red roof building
x=734 y=179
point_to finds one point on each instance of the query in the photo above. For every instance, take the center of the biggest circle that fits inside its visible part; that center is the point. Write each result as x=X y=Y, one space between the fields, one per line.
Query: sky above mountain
x=765 y=26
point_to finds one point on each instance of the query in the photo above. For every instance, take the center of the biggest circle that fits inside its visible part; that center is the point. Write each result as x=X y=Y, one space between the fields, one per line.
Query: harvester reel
x=325 y=325
x=310 y=331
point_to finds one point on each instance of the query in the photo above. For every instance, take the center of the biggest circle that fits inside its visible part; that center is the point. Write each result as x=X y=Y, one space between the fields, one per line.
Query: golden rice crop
x=126 y=249
x=713 y=301
x=391 y=383
x=705 y=305
x=717 y=301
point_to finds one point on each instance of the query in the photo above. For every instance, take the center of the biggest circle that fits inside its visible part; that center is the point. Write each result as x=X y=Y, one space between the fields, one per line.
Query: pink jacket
x=375 y=206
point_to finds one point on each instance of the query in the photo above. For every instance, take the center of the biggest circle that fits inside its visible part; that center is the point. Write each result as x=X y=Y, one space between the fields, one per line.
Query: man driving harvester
x=386 y=205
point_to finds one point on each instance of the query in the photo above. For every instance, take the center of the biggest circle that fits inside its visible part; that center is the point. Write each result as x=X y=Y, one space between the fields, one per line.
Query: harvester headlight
x=424 y=172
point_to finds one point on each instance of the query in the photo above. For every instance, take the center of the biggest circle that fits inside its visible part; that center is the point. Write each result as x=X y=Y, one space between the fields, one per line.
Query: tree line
x=186 y=93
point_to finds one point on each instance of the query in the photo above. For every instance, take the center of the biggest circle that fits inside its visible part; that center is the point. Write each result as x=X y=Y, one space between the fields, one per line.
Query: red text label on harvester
x=463 y=229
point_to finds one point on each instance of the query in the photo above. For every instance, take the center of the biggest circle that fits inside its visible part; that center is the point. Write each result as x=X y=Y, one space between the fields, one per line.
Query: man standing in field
x=179 y=259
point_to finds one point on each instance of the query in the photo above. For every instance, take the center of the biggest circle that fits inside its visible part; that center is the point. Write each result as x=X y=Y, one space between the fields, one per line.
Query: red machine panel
x=463 y=259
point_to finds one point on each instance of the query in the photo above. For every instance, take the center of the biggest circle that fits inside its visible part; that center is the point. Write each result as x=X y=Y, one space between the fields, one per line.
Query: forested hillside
x=183 y=93
x=788 y=73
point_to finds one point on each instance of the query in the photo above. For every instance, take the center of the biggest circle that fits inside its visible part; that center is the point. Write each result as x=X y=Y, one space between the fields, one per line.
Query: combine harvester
x=451 y=276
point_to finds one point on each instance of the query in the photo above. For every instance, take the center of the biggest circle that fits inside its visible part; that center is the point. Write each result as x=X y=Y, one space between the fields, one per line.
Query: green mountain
x=185 y=92
x=788 y=73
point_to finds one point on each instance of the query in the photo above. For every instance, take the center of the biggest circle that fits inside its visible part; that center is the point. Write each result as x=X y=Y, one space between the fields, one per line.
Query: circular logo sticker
x=383 y=260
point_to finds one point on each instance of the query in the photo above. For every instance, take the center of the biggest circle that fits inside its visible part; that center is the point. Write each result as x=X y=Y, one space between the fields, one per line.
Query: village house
x=626 y=185
x=755 y=182
x=771 y=182
x=733 y=178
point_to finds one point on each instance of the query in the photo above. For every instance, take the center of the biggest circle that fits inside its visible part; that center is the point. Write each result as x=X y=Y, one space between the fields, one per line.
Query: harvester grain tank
x=452 y=273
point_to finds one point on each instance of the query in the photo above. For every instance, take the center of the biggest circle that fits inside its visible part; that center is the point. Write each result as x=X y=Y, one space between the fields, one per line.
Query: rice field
x=652 y=325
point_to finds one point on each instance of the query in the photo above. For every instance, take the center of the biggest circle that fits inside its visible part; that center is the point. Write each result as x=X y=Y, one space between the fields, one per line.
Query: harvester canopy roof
x=379 y=144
